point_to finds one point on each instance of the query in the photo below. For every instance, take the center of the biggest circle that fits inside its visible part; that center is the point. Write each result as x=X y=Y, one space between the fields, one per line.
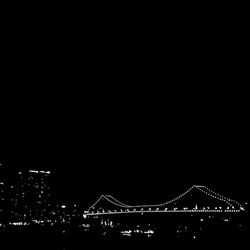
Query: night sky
x=141 y=119
x=141 y=150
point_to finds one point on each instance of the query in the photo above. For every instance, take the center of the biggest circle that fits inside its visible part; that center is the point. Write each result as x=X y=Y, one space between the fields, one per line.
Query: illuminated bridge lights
x=162 y=211
x=232 y=206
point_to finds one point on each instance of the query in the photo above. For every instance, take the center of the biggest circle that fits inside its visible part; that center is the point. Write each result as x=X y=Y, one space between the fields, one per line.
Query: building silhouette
x=2 y=202
x=31 y=197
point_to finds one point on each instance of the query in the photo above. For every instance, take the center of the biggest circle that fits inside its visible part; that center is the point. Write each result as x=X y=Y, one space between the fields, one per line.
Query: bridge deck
x=163 y=211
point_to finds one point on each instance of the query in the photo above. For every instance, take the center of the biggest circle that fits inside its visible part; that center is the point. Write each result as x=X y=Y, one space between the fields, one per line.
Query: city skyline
x=19 y=176
x=132 y=114
x=28 y=202
x=133 y=196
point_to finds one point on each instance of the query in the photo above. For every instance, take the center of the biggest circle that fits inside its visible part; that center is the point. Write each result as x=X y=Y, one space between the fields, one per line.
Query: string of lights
x=161 y=207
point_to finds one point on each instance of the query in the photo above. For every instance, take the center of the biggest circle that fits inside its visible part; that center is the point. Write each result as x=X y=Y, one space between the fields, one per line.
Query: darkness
x=136 y=151
x=123 y=114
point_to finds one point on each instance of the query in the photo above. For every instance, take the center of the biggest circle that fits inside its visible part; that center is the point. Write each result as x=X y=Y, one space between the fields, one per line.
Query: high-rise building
x=31 y=201
x=2 y=202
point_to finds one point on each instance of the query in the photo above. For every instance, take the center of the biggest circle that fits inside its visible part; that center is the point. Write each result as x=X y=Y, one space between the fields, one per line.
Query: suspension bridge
x=197 y=199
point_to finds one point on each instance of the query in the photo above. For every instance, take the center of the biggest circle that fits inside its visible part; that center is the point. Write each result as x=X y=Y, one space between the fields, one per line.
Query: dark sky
x=140 y=150
x=135 y=115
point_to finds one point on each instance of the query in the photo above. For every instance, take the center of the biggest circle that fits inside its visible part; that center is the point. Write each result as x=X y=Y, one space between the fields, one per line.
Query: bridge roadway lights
x=162 y=211
x=122 y=208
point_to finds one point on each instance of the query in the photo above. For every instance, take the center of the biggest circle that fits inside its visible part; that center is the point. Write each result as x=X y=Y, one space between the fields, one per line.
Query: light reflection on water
x=130 y=232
